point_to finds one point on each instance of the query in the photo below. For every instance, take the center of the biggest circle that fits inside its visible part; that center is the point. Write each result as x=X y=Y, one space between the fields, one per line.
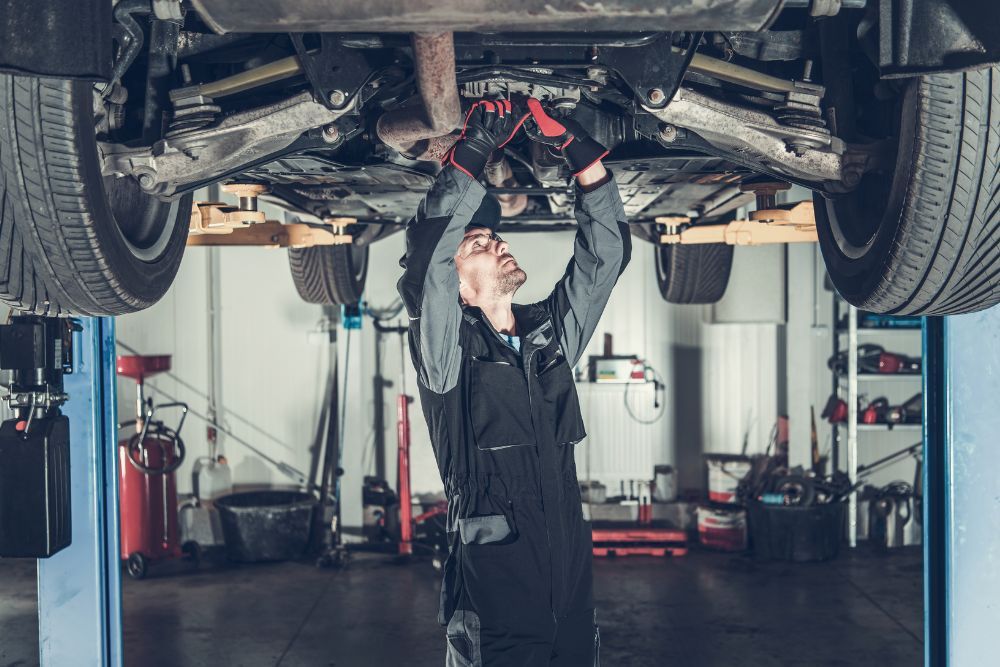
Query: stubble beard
x=510 y=281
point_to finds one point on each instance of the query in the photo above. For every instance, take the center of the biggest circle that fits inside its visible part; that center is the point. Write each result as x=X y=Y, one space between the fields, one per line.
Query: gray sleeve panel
x=602 y=249
x=429 y=286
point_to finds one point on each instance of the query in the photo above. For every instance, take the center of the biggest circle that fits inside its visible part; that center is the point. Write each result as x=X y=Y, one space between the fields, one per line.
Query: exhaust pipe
x=421 y=131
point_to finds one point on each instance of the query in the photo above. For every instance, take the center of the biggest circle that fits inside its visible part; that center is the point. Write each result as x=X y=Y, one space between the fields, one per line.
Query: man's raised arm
x=429 y=286
x=601 y=252
x=603 y=246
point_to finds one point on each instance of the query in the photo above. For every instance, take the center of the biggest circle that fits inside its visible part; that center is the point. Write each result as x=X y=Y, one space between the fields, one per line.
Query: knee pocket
x=464 y=647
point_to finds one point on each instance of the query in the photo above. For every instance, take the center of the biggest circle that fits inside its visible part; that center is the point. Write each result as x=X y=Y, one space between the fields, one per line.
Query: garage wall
x=273 y=360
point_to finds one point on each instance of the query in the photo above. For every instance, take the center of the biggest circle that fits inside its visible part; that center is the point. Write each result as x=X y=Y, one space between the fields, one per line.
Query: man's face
x=485 y=265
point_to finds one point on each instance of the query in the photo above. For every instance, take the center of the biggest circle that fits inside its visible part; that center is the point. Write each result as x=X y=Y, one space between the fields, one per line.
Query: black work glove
x=565 y=135
x=489 y=125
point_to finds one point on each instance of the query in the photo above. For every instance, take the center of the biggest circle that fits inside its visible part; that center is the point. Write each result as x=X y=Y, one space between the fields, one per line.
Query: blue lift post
x=961 y=489
x=79 y=589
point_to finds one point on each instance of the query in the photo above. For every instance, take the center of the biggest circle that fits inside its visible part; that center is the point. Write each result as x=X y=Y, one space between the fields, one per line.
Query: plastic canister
x=664 y=484
x=211 y=478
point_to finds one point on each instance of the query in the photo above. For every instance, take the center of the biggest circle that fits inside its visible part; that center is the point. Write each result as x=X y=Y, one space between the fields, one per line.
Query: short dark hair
x=487 y=216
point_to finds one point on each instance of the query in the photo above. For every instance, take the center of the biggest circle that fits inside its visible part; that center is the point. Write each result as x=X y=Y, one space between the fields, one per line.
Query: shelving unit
x=847 y=385
x=877 y=377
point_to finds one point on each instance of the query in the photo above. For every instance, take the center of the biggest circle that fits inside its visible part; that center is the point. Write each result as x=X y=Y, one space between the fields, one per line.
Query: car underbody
x=345 y=110
x=364 y=137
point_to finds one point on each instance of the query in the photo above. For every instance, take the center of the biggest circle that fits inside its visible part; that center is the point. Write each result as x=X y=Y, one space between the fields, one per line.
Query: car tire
x=330 y=275
x=925 y=239
x=693 y=273
x=71 y=241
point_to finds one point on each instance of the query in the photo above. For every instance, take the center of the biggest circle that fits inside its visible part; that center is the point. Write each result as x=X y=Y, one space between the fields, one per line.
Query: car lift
x=79 y=588
x=221 y=224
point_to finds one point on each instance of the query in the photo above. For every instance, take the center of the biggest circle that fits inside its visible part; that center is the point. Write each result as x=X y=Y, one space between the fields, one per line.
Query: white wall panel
x=622 y=444
x=273 y=369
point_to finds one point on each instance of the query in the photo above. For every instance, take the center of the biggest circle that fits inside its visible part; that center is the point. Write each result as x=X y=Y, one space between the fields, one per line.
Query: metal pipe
x=499 y=174
x=439 y=113
x=434 y=59
x=433 y=149
x=720 y=69
x=258 y=76
x=852 y=425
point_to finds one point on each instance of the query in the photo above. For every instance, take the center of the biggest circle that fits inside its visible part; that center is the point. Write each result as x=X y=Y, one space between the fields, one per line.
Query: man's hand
x=565 y=135
x=488 y=126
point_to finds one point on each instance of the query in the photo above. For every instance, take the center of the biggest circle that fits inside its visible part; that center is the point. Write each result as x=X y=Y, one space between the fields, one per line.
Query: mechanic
x=497 y=389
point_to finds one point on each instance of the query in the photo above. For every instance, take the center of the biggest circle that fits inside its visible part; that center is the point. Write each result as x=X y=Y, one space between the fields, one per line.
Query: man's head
x=486 y=269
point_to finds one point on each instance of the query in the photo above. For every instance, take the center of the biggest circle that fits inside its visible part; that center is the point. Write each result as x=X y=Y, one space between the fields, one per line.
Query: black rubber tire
x=934 y=247
x=330 y=275
x=693 y=273
x=192 y=550
x=804 y=485
x=20 y=286
x=137 y=566
x=71 y=241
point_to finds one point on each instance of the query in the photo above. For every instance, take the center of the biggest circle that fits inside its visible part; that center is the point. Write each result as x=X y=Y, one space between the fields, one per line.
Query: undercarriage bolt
x=852 y=177
x=146 y=181
x=337 y=98
x=331 y=133
x=656 y=96
x=668 y=133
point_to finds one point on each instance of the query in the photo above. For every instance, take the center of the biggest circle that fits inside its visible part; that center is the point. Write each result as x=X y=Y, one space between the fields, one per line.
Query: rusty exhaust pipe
x=421 y=131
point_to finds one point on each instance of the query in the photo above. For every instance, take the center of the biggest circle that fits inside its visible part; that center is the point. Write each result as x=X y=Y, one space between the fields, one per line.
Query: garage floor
x=704 y=609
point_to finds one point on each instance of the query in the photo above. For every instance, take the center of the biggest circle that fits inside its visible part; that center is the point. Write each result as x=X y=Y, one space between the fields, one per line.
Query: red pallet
x=638 y=535
x=658 y=551
x=632 y=540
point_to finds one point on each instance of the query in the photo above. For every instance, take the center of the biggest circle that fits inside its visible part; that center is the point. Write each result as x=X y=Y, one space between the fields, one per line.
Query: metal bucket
x=724 y=474
x=265 y=525
x=722 y=528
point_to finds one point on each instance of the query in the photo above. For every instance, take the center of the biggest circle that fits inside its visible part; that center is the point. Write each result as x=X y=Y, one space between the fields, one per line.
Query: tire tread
x=323 y=275
x=50 y=206
x=693 y=274
x=945 y=259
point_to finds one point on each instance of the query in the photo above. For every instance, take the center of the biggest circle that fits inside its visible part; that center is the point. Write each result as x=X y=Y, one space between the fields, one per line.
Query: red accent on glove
x=548 y=125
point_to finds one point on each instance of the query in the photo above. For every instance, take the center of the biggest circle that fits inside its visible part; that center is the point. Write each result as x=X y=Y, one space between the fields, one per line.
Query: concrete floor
x=703 y=610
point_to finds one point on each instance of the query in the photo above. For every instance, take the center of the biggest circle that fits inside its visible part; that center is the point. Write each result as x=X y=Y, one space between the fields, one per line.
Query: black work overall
x=504 y=424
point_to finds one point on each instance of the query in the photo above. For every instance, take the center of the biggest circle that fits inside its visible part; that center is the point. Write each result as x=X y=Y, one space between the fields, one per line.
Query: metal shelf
x=883 y=377
x=874 y=331
x=846 y=387
x=890 y=427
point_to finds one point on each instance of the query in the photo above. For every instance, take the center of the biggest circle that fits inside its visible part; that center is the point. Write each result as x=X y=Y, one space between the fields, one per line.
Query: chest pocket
x=561 y=401
x=501 y=414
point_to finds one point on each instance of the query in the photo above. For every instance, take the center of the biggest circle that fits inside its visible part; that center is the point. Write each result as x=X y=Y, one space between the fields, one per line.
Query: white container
x=664 y=484
x=592 y=491
x=724 y=474
x=210 y=479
